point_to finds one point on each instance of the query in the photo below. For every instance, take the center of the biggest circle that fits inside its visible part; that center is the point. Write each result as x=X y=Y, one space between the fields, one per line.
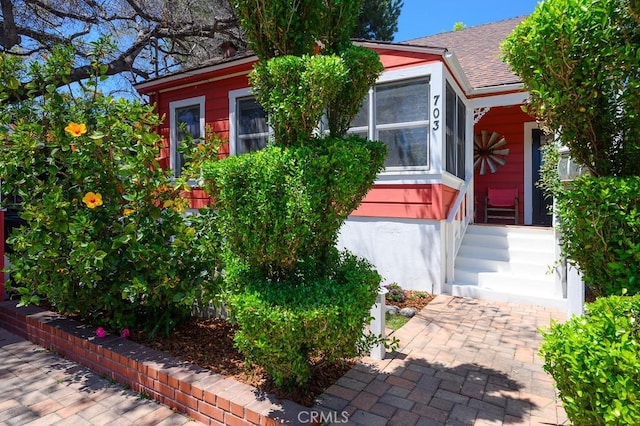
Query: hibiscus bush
x=106 y=235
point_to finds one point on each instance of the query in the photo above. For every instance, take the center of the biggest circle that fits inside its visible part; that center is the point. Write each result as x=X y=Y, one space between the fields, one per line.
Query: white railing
x=460 y=216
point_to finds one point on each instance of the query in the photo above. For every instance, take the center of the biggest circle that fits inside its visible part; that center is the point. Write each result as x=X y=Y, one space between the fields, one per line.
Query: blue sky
x=425 y=17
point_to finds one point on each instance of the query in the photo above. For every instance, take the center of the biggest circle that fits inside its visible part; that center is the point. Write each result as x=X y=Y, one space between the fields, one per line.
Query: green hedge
x=595 y=361
x=599 y=219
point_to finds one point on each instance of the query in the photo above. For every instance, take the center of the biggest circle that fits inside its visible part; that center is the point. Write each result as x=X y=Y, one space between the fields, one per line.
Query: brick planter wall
x=205 y=397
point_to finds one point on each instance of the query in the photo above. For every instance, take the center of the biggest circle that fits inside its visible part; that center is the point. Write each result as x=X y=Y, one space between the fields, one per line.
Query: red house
x=450 y=113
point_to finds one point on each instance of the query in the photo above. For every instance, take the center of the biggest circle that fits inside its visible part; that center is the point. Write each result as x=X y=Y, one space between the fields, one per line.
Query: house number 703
x=436 y=113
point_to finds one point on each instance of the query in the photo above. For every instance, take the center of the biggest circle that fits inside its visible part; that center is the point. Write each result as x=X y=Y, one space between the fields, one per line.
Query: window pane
x=461 y=134
x=248 y=144
x=450 y=130
x=362 y=119
x=187 y=123
x=402 y=102
x=406 y=147
x=252 y=128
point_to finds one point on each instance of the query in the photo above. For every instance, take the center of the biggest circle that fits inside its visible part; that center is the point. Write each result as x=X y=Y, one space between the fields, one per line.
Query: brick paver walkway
x=461 y=362
x=37 y=387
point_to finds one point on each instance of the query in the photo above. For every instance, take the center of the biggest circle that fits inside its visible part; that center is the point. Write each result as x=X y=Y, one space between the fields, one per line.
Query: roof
x=475 y=49
x=478 y=51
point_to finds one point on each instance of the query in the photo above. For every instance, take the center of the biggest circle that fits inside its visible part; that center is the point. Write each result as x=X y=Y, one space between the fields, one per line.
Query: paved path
x=40 y=388
x=461 y=362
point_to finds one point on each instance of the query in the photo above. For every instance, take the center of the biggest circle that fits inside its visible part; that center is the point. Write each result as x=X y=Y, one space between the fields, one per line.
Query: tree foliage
x=378 y=20
x=579 y=59
x=150 y=36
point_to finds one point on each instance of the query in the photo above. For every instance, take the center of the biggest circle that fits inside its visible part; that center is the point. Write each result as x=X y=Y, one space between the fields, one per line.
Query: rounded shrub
x=283 y=204
x=595 y=362
x=287 y=325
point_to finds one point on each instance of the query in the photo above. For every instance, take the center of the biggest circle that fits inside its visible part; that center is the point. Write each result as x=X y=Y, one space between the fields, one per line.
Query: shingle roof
x=478 y=51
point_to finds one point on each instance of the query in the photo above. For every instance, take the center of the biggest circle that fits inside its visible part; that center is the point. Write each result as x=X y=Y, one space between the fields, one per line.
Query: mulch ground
x=208 y=343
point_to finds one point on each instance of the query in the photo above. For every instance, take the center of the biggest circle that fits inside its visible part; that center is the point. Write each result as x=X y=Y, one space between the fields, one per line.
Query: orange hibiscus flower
x=92 y=200
x=76 y=129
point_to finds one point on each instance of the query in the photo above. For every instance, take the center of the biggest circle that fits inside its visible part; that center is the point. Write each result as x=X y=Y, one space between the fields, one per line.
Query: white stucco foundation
x=405 y=251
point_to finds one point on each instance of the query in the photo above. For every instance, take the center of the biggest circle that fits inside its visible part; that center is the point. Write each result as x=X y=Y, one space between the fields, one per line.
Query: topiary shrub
x=287 y=325
x=599 y=219
x=279 y=206
x=595 y=362
x=296 y=90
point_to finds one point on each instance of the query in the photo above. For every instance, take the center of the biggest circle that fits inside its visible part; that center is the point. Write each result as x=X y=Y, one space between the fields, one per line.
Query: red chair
x=501 y=203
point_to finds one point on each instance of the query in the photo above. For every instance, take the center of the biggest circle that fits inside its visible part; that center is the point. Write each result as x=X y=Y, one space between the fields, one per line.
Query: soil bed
x=208 y=343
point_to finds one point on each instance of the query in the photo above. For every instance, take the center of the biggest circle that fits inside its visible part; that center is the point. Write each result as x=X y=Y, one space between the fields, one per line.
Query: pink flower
x=125 y=333
x=100 y=332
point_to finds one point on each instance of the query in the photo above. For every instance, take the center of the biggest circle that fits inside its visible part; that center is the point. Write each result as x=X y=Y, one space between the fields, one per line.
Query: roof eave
x=493 y=90
x=192 y=74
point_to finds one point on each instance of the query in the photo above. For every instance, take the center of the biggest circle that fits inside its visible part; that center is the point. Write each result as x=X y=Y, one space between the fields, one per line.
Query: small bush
x=284 y=326
x=395 y=294
x=595 y=361
x=599 y=219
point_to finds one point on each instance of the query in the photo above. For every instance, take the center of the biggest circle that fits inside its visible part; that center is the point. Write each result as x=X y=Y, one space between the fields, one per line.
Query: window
x=397 y=114
x=248 y=127
x=252 y=130
x=187 y=117
x=455 y=133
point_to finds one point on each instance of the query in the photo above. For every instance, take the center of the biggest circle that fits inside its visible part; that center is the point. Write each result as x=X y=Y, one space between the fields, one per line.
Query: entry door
x=541 y=215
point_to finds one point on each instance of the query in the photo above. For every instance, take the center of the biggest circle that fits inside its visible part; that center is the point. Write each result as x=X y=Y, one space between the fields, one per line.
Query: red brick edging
x=206 y=397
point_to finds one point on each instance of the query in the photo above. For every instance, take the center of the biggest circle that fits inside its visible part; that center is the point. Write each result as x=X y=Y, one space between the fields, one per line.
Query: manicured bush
x=287 y=325
x=595 y=362
x=599 y=219
x=282 y=206
x=105 y=236
x=296 y=90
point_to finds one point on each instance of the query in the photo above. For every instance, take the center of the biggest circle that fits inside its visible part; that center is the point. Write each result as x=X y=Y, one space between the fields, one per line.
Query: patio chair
x=501 y=203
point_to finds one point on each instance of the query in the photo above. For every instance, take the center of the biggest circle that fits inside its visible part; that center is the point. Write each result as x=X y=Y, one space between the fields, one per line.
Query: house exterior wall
x=399 y=226
x=508 y=121
x=405 y=251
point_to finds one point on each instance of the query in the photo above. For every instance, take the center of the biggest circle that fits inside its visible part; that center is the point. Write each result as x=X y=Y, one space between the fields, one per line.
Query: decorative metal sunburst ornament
x=489 y=151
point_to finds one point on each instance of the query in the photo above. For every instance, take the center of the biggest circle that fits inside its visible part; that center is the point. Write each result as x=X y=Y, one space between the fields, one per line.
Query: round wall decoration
x=489 y=151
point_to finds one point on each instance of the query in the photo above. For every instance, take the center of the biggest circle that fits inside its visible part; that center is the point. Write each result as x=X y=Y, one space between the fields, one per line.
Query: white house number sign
x=436 y=113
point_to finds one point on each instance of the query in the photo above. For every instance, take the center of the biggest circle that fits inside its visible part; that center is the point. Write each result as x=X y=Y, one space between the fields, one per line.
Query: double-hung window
x=249 y=130
x=397 y=113
x=187 y=119
x=455 y=133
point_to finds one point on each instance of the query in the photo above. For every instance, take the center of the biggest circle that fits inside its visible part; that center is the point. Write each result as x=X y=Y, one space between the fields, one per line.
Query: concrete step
x=522 y=265
x=508 y=263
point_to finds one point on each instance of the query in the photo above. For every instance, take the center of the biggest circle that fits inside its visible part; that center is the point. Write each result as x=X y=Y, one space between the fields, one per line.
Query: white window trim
x=173 y=133
x=234 y=95
x=427 y=71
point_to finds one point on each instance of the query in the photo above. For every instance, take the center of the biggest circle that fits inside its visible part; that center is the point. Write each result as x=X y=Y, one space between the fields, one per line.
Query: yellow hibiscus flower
x=76 y=129
x=92 y=200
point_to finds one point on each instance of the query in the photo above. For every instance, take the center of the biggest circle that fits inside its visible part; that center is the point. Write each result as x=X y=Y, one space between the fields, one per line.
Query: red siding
x=392 y=59
x=426 y=201
x=509 y=122
x=401 y=201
